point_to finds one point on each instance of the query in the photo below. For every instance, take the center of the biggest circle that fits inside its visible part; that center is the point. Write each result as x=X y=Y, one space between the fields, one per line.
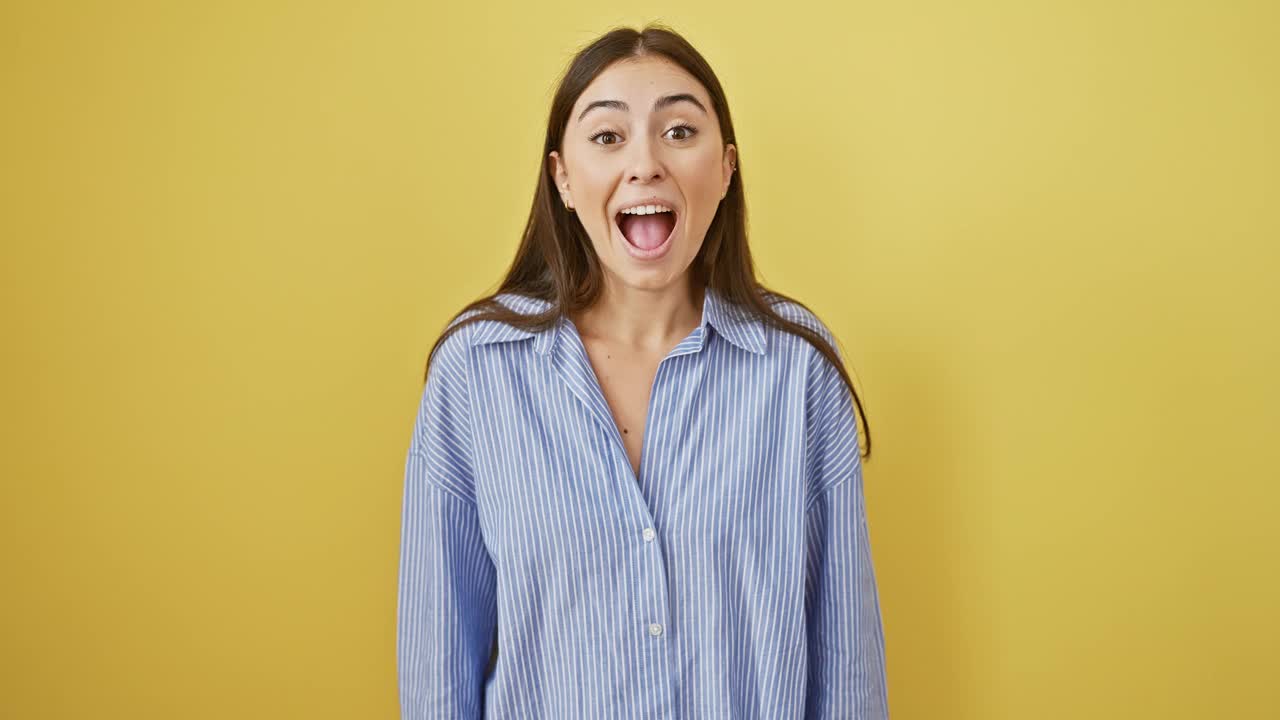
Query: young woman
x=634 y=485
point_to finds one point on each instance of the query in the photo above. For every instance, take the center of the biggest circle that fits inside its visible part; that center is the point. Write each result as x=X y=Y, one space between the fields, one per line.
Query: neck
x=640 y=319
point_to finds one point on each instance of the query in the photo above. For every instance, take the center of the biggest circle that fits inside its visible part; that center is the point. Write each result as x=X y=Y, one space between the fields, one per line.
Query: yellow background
x=1046 y=235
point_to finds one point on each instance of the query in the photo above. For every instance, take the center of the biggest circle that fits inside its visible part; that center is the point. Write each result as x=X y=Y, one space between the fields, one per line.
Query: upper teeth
x=646 y=209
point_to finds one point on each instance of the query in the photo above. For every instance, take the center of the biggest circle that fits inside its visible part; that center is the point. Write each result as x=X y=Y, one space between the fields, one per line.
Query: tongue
x=647 y=231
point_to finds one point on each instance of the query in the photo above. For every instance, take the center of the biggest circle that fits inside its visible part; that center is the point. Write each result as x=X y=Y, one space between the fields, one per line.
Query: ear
x=561 y=175
x=729 y=167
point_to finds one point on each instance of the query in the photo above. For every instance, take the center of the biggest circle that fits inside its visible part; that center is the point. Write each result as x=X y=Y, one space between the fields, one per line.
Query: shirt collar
x=729 y=320
x=732 y=322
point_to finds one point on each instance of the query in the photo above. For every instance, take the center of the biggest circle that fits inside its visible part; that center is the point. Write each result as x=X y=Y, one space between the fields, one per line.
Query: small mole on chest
x=624 y=431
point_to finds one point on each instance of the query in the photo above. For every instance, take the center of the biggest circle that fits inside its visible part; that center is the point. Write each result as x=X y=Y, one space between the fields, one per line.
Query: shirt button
x=655 y=629
x=649 y=534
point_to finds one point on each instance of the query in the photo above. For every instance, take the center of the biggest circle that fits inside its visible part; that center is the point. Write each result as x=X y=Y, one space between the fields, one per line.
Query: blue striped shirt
x=732 y=578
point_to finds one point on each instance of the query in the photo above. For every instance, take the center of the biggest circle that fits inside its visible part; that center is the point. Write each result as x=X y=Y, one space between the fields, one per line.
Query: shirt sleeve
x=446 y=610
x=846 y=669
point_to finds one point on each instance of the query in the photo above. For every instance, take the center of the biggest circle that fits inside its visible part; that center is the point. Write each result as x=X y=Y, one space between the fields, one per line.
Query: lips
x=646 y=232
x=647 y=237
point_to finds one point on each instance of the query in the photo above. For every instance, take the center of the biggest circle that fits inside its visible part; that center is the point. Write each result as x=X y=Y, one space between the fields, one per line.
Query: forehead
x=636 y=79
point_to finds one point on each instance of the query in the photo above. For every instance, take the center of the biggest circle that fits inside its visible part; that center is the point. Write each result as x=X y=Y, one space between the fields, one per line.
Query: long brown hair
x=556 y=261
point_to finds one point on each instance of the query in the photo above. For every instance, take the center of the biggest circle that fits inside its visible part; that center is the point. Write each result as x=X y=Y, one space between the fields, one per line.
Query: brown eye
x=604 y=132
x=689 y=131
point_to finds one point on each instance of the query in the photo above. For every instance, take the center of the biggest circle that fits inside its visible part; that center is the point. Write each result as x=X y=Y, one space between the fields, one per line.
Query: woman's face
x=644 y=131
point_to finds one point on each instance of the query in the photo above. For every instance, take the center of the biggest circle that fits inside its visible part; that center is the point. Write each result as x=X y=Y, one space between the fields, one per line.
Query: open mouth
x=647 y=233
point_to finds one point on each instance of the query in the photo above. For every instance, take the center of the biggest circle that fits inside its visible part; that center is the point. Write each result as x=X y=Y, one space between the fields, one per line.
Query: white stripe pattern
x=731 y=579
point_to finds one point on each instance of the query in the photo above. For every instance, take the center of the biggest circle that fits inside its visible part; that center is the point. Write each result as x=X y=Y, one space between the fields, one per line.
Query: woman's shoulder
x=796 y=311
x=477 y=328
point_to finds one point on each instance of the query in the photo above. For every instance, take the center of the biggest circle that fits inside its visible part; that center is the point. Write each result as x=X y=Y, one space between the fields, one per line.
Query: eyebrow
x=658 y=104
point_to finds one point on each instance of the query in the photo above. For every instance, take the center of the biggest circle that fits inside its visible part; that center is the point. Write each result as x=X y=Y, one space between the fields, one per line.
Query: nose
x=645 y=165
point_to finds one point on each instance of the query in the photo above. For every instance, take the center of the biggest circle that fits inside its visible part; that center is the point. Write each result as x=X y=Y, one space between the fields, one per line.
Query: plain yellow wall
x=1045 y=234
